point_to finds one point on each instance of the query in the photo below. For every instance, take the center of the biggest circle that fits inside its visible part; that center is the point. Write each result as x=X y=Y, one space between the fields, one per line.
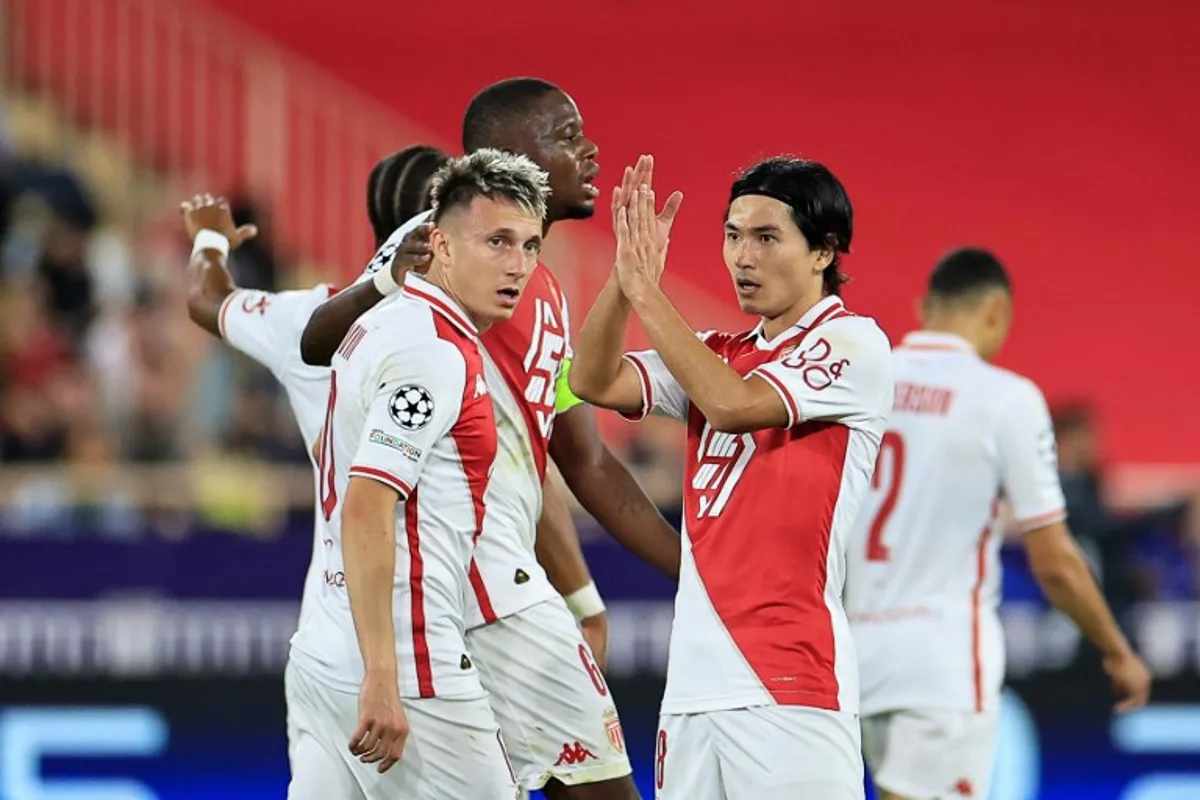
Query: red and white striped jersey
x=408 y=406
x=758 y=613
x=523 y=359
x=267 y=326
x=924 y=571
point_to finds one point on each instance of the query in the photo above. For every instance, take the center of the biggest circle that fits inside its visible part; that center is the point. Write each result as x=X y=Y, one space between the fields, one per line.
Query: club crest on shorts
x=612 y=726
x=411 y=407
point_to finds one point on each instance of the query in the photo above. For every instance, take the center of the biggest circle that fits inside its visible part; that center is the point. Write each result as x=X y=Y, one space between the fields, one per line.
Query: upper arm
x=574 y=442
x=841 y=373
x=414 y=395
x=1027 y=460
x=267 y=325
x=645 y=386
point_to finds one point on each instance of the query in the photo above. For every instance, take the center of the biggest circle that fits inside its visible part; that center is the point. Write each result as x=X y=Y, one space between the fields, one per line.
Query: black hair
x=967 y=272
x=495 y=105
x=1070 y=417
x=819 y=204
x=398 y=188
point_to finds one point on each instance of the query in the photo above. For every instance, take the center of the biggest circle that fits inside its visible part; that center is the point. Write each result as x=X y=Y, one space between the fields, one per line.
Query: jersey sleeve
x=386 y=253
x=1029 y=461
x=415 y=398
x=267 y=326
x=661 y=393
x=840 y=373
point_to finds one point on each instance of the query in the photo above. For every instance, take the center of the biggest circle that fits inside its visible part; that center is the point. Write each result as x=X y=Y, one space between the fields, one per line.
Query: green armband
x=564 y=398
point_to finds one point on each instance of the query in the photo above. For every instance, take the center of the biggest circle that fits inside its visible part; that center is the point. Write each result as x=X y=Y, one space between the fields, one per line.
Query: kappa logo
x=574 y=753
x=480 y=386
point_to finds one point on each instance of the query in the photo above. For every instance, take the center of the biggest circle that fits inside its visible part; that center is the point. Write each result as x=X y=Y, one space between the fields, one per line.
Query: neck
x=437 y=276
x=773 y=326
x=956 y=326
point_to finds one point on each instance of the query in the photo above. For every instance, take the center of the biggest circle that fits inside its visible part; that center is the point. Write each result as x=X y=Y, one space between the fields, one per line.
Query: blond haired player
x=923 y=578
x=386 y=699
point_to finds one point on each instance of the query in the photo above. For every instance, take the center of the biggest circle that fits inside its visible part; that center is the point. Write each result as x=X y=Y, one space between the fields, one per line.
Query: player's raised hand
x=641 y=251
x=205 y=212
x=1130 y=680
x=382 y=726
x=642 y=174
x=414 y=254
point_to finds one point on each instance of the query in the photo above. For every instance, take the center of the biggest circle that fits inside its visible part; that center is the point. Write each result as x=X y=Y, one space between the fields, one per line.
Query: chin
x=584 y=209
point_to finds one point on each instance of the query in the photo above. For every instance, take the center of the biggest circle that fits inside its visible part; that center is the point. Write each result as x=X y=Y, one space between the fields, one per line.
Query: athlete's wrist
x=385 y=284
x=208 y=239
x=585 y=602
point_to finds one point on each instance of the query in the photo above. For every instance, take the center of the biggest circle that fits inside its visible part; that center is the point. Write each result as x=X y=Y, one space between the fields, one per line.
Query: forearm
x=330 y=322
x=711 y=385
x=557 y=547
x=369 y=561
x=599 y=347
x=1070 y=587
x=209 y=283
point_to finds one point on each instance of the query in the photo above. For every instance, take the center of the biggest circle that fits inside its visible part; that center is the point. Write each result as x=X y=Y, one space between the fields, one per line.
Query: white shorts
x=927 y=754
x=453 y=749
x=555 y=710
x=761 y=753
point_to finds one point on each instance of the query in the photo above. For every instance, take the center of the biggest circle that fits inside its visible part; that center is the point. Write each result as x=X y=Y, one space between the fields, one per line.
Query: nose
x=590 y=149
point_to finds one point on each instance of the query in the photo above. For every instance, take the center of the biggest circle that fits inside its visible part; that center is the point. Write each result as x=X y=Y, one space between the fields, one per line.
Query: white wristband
x=211 y=240
x=585 y=602
x=384 y=282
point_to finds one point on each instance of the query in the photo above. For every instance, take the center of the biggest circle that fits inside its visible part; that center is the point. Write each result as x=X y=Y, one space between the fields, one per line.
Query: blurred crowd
x=101 y=372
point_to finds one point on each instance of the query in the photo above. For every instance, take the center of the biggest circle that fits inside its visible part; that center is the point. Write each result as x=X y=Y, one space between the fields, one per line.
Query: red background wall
x=1061 y=134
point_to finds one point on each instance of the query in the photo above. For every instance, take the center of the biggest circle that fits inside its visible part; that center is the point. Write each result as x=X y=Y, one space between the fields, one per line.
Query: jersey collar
x=420 y=289
x=825 y=308
x=933 y=340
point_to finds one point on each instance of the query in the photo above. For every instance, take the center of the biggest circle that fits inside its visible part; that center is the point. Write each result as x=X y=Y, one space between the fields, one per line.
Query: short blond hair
x=495 y=174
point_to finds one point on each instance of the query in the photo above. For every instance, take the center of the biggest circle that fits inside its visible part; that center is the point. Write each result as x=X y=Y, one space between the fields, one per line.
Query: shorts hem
x=577 y=777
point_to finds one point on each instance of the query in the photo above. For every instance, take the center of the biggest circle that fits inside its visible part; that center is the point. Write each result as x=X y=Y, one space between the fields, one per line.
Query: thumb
x=244 y=234
x=671 y=208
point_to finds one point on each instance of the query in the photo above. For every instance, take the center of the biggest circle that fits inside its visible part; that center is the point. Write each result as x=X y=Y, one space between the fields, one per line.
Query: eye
x=497 y=241
x=732 y=236
x=767 y=238
x=533 y=247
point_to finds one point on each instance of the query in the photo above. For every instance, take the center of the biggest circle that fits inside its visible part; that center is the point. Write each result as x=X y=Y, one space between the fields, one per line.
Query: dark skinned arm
x=607 y=491
x=329 y=323
x=209 y=283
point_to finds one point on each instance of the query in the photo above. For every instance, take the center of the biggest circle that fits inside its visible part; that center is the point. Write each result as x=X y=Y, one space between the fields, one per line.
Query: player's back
x=923 y=566
x=408 y=407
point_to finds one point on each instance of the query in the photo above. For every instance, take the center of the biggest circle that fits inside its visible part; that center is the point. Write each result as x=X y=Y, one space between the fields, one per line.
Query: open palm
x=657 y=236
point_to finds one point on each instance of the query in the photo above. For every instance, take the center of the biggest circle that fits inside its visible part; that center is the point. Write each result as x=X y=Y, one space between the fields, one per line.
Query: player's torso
x=523 y=358
x=923 y=565
x=436 y=527
x=765 y=518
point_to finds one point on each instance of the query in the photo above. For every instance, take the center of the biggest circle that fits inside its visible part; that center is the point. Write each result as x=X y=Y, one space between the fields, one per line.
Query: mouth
x=509 y=296
x=589 y=187
x=745 y=287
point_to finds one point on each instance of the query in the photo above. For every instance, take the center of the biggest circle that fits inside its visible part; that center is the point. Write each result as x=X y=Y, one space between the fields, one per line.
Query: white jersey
x=924 y=573
x=267 y=326
x=409 y=407
x=758 y=613
x=523 y=363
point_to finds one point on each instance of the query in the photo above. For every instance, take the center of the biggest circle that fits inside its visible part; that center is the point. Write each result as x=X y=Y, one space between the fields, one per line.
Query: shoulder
x=723 y=342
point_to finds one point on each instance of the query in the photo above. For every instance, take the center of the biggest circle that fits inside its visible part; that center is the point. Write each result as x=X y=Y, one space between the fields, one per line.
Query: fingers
x=670 y=209
x=394 y=751
x=645 y=218
x=364 y=739
x=622 y=227
x=245 y=233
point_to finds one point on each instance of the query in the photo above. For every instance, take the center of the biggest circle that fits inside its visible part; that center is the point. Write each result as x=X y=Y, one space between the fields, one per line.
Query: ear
x=921 y=309
x=439 y=244
x=824 y=259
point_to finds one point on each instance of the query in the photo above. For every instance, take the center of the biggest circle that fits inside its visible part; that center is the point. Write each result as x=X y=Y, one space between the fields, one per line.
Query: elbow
x=311 y=351
x=585 y=386
x=1063 y=570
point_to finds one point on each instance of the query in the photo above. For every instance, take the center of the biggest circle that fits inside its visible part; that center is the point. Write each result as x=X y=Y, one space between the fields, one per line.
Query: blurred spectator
x=1114 y=541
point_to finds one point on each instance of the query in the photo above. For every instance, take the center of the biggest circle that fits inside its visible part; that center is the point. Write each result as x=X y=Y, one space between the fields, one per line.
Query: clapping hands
x=642 y=235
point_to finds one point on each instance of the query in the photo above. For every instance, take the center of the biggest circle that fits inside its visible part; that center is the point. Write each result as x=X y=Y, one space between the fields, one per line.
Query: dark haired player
x=923 y=578
x=555 y=709
x=784 y=423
